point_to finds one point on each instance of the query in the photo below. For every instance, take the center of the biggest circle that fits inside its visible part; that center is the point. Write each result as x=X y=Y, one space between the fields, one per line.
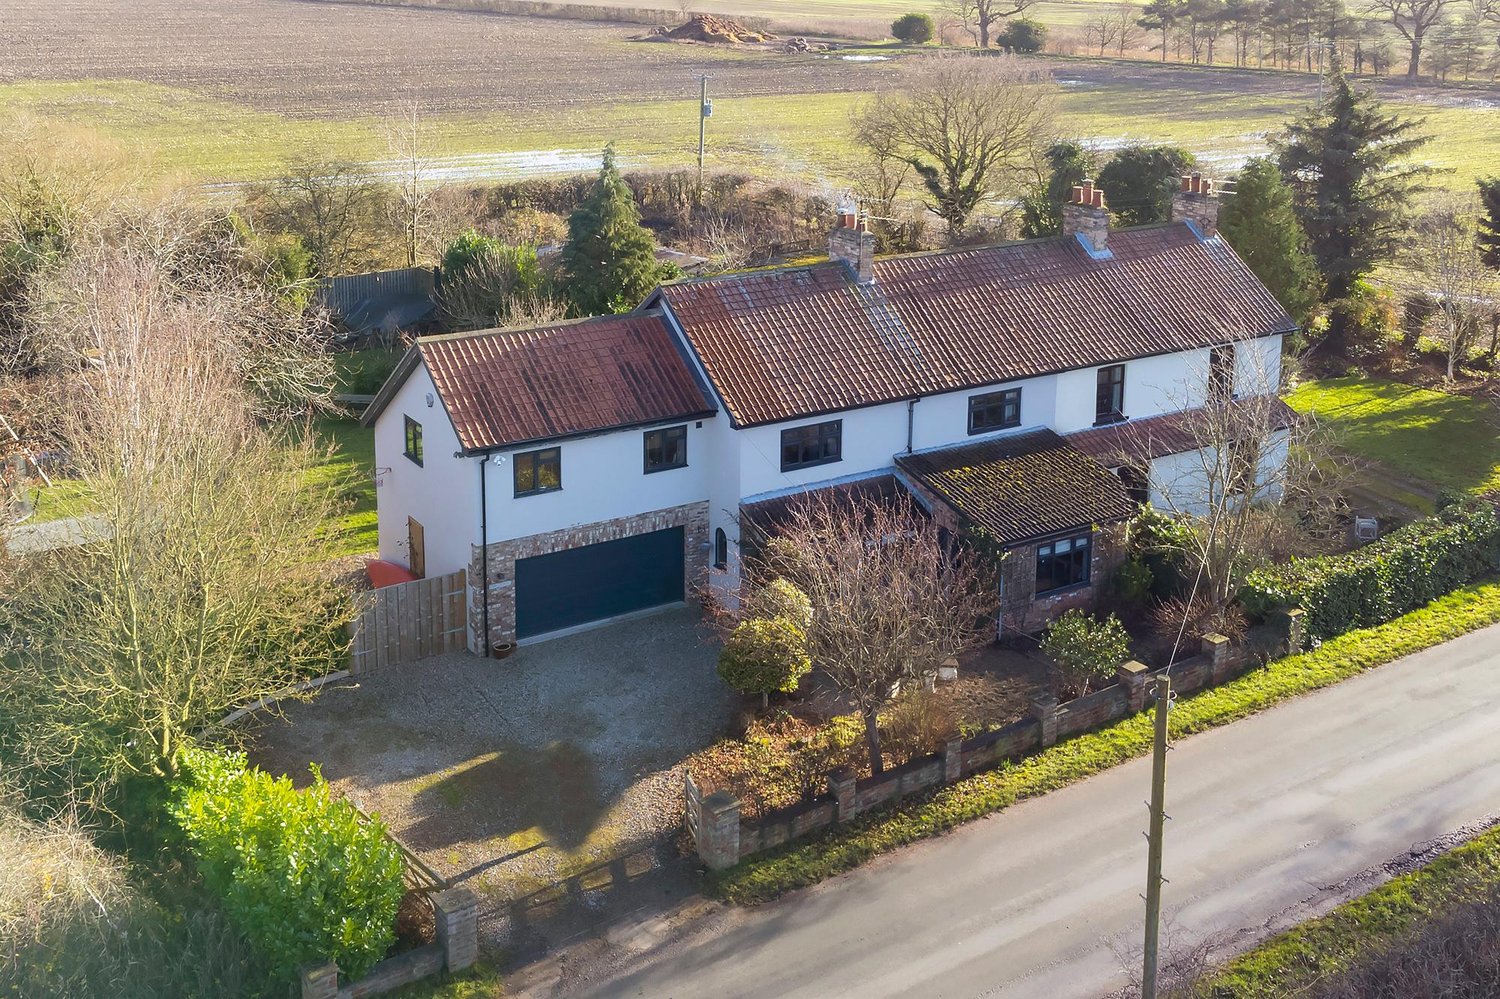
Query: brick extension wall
x=693 y=517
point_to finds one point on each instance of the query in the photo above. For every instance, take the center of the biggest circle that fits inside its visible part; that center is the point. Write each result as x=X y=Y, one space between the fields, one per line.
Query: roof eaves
x=581 y=434
x=391 y=386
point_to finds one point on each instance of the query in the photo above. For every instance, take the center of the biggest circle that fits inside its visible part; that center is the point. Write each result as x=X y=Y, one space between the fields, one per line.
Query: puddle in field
x=865 y=58
x=486 y=166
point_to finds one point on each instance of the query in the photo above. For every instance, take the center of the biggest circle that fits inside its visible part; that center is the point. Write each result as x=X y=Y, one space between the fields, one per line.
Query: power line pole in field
x=705 y=111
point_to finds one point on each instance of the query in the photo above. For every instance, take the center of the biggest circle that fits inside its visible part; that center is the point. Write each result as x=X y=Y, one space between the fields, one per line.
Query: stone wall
x=503 y=555
x=723 y=839
x=456 y=912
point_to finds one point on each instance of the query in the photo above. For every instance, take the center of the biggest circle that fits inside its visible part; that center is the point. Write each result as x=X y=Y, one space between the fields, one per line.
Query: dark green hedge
x=1385 y=579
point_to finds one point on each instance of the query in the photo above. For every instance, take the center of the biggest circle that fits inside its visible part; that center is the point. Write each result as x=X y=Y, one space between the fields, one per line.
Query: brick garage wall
x=503 y=555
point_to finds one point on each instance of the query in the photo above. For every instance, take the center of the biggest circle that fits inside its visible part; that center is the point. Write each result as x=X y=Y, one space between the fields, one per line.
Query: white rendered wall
x=1179 y=482
x=442 y=494
x=603 y=478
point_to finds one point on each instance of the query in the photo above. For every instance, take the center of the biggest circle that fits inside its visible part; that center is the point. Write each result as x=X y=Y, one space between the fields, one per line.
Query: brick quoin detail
x=503 y=555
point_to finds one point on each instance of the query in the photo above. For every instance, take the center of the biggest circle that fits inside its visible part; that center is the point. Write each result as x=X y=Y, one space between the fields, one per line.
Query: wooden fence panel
x=409 y=621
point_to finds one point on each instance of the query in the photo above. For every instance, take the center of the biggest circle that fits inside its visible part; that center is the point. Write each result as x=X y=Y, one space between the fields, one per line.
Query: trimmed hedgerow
x=1385 y=579
x=299 y=873
x=767 y=875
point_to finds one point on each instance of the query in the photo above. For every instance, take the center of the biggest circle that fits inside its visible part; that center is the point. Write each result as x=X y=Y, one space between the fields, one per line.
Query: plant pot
x=502 y=650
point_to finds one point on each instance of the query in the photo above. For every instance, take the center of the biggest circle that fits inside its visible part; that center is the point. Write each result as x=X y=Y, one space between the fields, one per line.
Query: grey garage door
x=594 y=582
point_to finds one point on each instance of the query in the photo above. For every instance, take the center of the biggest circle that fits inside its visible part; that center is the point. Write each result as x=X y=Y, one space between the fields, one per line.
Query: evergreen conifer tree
x=1261 y=223
x=1041 y=210
x=1489 y=221
x=609 y=260
x=1139 y=180
x=1349 y=163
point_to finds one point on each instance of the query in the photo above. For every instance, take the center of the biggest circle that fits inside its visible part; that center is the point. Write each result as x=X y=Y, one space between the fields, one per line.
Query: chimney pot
x=1187 y=183
x=1098 y=199
x=1088 y=191
x=1077 y=198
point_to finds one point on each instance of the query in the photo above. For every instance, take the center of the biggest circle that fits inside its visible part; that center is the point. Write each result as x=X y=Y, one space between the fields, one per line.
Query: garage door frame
x=586 y=585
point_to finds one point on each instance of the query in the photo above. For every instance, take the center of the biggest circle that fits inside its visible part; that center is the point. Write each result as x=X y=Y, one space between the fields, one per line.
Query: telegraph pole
x=1158 y=820
x=705 y=109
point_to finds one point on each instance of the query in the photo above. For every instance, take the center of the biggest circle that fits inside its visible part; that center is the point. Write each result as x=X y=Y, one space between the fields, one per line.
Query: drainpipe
x=911 y=409
x=484 y=550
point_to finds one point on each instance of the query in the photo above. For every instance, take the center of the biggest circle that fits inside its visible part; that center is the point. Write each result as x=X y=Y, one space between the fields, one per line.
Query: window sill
x=1110 y=421
x=990 y=430
x=811 y=464
x=413 y=459
x=664 y=468
x=1061 y=590
x=537 y=492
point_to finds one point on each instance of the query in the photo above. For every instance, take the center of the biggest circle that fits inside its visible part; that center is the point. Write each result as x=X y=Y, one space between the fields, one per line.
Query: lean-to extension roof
x=1021 y=486
x=793 y=342
x=509 y=387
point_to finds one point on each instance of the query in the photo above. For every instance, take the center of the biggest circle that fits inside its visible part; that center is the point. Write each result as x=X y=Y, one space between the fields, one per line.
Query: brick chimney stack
x=852 y=242
x=1195 y=201
x=1086 y=217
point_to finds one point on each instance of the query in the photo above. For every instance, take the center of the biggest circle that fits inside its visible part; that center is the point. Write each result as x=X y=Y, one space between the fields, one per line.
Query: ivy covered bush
x=301 y=875
x=1402 y=571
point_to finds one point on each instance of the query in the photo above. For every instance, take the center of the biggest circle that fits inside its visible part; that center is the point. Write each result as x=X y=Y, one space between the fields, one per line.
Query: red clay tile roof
x=1021 y=486
x=803 y=341
x=513 y=387
x=1170 y=433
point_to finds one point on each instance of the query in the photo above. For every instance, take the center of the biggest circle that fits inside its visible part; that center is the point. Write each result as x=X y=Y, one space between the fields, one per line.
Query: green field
x=213 y=139
x=1441 y=440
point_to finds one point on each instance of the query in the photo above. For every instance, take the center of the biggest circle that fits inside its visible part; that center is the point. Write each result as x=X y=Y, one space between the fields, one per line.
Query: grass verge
x=1312 y=951
x=765 y=876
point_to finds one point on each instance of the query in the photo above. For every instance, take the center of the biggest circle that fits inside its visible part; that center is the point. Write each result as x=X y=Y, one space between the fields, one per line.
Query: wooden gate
x=410 y=621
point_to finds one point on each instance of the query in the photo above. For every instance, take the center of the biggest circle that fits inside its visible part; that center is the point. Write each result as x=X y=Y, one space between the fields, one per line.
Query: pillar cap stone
x=1132 y=667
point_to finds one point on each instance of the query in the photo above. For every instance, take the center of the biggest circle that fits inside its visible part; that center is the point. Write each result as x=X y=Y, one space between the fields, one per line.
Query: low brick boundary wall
x=723 y=839
x=457 y=915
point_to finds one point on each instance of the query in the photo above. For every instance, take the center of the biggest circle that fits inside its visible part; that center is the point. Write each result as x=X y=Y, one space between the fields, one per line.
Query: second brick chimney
x=1085 y=216
x=1195 y=201
x=852 y=242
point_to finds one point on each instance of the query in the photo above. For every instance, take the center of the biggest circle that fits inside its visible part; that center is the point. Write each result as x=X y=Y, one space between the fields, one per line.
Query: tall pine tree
x=609 y=260
x=1139 y=181
x=1260 y=222
x=1489 y=221
x=1349 y=163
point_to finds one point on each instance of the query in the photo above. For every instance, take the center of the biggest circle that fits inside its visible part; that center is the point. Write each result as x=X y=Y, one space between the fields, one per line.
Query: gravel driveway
x=513 y=774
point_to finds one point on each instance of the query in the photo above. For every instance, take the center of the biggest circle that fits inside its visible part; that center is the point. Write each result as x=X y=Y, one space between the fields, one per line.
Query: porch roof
x=1020 y=487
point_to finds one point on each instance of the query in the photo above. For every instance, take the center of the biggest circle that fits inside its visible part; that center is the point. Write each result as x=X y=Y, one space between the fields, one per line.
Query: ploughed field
x=308 y=59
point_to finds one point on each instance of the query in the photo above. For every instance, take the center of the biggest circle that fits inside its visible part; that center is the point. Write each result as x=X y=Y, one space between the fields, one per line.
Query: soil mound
x=718 y=30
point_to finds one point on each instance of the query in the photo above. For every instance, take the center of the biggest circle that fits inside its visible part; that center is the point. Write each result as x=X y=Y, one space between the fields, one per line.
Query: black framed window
x=1109 y=403
x=994 y=410
x=817 y=444
x=538 y=471
x=1221 y=375
x=666 y=448
x=1063 y=562
x=721 y=549
x=414 y=440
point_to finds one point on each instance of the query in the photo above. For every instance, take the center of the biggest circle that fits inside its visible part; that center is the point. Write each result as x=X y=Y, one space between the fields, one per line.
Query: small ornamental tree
x=1023 y=35
x=1085 y=649
x=301 y=875
x=913 y=29
x=764 y=655
x=780 y=598
x=609 y=260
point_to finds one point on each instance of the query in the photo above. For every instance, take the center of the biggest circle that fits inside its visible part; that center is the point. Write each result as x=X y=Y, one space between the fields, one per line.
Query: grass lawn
x=1291 y=962
x=349 y=466
x=1446 y=441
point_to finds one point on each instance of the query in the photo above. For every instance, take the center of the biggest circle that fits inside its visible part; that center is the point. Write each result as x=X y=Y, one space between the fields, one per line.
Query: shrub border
x=1367 y=925
x=767 y=875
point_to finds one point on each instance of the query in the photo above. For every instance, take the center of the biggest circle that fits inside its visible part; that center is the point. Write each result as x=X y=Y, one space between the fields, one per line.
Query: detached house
x=595 y=468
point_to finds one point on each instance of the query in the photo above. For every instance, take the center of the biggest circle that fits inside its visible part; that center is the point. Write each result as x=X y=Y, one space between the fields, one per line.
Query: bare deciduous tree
x=335 y=207
x=1101 y=30
x=890 y=600
x=197 y=591
x=979 y=17
x=1252 y=480
x=968 y=126
x=1446 y=264
x=412 y=147
x=1413 y=19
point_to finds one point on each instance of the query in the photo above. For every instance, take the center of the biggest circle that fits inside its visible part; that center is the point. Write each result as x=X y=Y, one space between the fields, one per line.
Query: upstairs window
x=994 y=411
x=666 y=448
x=538 y=471
x=414 y=440
x=1220 y=375
x=1109 y=402
x=817 y=444
x=1064 y=562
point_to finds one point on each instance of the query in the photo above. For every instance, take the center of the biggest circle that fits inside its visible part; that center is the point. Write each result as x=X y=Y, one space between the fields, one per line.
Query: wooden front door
x=416 y=547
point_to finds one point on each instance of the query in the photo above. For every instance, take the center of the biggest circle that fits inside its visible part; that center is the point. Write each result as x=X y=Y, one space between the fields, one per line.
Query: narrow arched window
x=721 y=549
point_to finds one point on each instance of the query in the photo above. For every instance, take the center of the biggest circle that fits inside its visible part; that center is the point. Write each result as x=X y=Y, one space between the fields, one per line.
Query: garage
x=581 y=585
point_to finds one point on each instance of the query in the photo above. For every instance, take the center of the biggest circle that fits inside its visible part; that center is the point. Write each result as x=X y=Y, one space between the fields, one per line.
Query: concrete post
x=1044 y=710
x=1216 y=649
x=456 y=912
x=953 y=760
x=1132 y=679
x=319 y=981
x=719 y=831
x=1295 y=623
x=841 y=786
